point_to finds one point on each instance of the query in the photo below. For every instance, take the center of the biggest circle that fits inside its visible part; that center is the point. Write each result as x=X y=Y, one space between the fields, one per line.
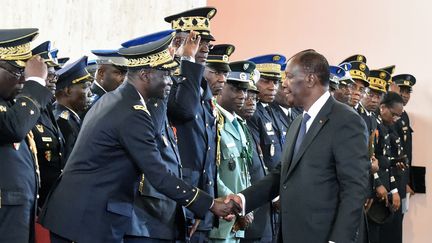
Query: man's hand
x=36 y=67
x=374 y=165
x=223 y=208
x=410 y=190
x=190 y=46
x=396 y=202
x=368 y=204
x=401 y=165
x=243 y=222
x=194 y=227
x=381 y=193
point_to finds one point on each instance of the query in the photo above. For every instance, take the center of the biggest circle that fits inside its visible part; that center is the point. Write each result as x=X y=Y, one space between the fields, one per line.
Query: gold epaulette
x=142 y=108
x=65 y=115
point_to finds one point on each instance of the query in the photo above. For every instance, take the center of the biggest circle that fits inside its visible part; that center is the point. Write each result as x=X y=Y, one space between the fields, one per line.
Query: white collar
x=100 y=86
x=285 y=110
x=315 y=108
x=264 y=104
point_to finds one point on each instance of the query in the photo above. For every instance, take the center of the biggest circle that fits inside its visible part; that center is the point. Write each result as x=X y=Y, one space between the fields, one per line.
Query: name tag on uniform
x=230 y=145
x=46 y=139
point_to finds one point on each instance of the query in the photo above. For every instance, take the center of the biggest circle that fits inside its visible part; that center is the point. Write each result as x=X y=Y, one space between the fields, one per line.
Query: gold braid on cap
x=358 y=74
x=269 y=68
x=377 y=84
x=81 y=79
x=191 y=23
x=151 y=60
x=13 y=53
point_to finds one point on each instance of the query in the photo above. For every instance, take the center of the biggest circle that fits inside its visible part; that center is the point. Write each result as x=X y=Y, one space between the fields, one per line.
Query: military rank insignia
x=3 y=108
x=48 y=155
x=40 y=128
x=231 y=164
x=65 y=115
x=272 y=150
x=16 y=145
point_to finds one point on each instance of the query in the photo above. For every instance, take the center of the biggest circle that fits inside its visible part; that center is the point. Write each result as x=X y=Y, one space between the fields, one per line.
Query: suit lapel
x=314 y=129
x=289 y=144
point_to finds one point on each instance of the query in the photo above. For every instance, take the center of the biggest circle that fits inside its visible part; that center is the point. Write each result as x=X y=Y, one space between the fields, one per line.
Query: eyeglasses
x=395 y=115
x=219 y=73
x=17 y=75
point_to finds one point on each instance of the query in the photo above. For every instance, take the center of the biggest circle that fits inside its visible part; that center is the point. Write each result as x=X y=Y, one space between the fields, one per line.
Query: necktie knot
x=306 y=118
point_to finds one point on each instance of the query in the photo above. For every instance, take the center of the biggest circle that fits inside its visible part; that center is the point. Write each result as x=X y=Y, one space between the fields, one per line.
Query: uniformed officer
x=217 y=68
x=191 y=107
x=343 y=93
x=233 y=174
x=20 y=103
x=95 y=193
x=73 y=96
x=109 y=74
x=391 y=109
x=61 y=62
x=157 y=217
x=384 y=184
x=47 y=135
x=260 y=230
x=92 y=67
x=261 y=124
x=403 y=125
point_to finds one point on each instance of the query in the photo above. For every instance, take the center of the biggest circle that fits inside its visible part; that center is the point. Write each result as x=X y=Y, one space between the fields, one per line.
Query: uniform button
x=206 y=124
x=184 y=78
x=208 y=148
x=184 y=191
x=37 y=196
x=210 y=183
x=187 y=200
x=194 y=190
x=178 y=187
x=196 y=116
x=202 y=102
x=60 y=154
x=284 y=186
x=61 y=171
x=204 y=172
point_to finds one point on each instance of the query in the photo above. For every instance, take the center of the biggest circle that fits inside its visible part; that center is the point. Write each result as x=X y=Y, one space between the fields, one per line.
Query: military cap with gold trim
x=218 y=57
x=45 y=52
x=269 y=65
x=404 y=80
x=91 y=67
x=355 y=58
x=197 y=19
x=359 y=71
x=74 y=73
x=15 y=45
x=390 y=69
x=147 y=38
x=378 y=80
x=153 y=54
x=241 y=73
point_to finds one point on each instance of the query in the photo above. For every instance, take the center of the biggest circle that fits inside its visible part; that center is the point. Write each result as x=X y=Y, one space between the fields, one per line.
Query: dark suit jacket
x=190 y=109
x=93 y=200
x=323 y=187
x=18 y=180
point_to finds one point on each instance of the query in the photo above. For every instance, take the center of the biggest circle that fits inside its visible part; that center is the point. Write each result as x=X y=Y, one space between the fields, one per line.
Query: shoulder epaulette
x=142 y=108
x=65 y=115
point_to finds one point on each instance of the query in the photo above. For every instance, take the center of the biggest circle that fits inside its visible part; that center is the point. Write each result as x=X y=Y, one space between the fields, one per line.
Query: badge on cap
x=362 y=66
x=245 y=66
x=359 y=58
x=382 y=75
x=243 y=76
x=276 y=58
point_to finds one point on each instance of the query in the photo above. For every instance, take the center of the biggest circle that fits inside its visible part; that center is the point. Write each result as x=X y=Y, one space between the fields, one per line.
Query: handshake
x=227 y=207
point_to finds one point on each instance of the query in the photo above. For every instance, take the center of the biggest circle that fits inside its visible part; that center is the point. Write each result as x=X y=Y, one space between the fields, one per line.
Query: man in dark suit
x=22 y=95
x=322 y=180
x=96 y=191
x=73 y=97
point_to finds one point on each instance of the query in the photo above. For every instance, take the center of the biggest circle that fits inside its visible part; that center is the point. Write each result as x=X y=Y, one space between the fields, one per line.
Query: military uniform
x=233 y=174
x=67 y=119
x=193 y=113
x=18 y=166
x=155 y=216
x=101 y=180
x=262 y=124
x=47 y=135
